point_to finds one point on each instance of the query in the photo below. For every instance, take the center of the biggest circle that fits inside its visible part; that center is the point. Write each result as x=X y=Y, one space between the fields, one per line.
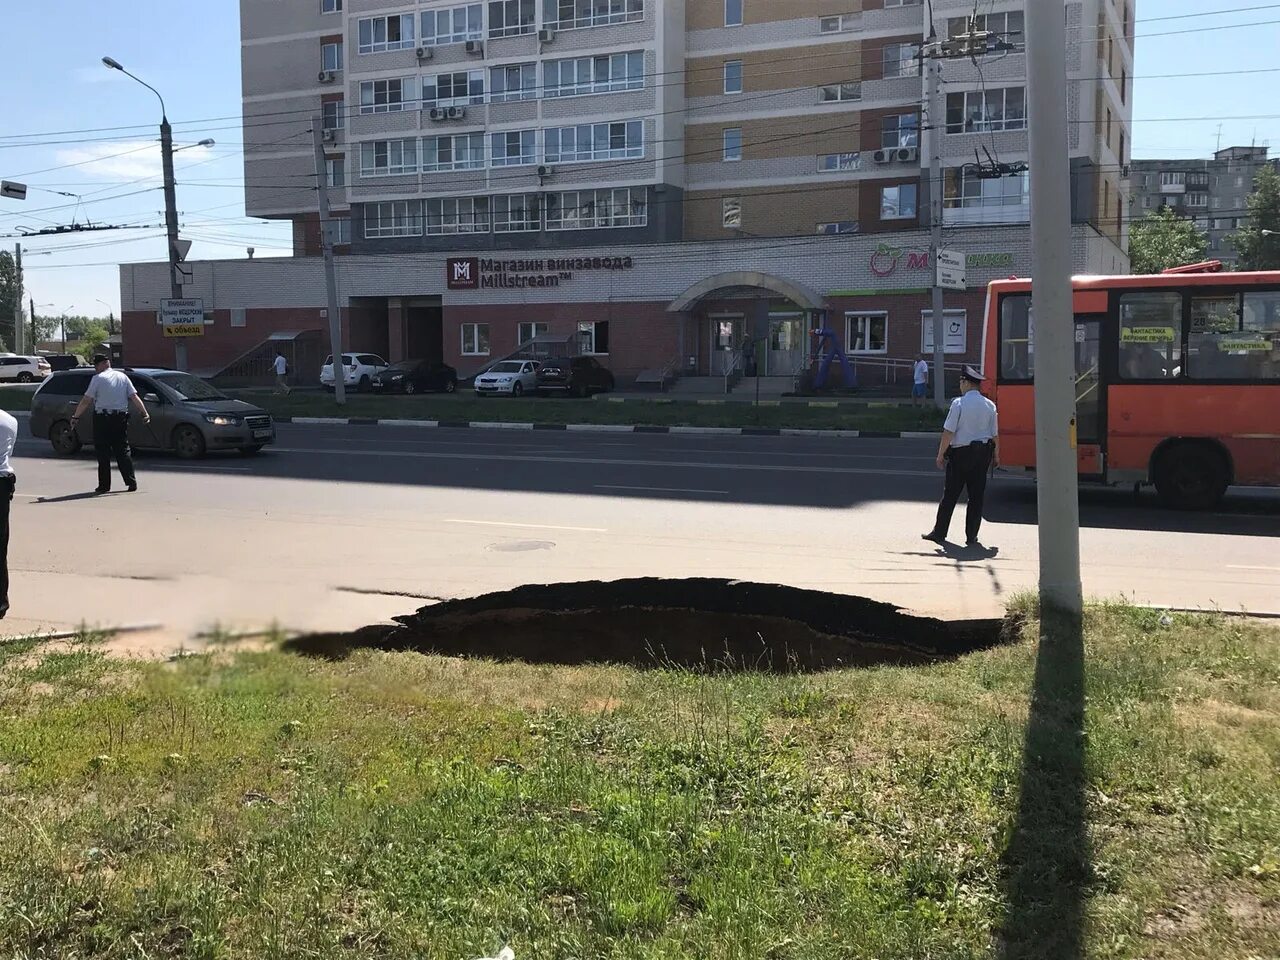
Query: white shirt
x=8 y=437
x=110 y=391
x=922 y=372
x=282 y=366
x=971 y=418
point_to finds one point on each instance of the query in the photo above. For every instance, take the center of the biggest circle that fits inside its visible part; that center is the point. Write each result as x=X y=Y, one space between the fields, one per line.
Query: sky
x=60 y=98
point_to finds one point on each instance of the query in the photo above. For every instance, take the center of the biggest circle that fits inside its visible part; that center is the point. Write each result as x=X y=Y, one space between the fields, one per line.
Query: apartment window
x=515 y=213
x=597 y=209
x=1198 y=200
x=572 y=14
x=475 y=339
x=733 y=76
x=331 y=56
x=330 y=6
x=1008 y=27
x=340 y=230
x=460 y=151
x=527 y=330
x=835 y=227
x=510 y=18
x=593 y=337
x=731 y=212
x=831 y=162
x=979 y=111
x=388 y=158
x=620 y=140
x=1146 y=203
x=902 y=130
x=332 y=115
x=603 y=74
x=1239 y=181
x=335 y=171
x=733 y=13
x=1171 y=179
x=1120 y=155
x=732 y=144
x=380 y=34
x=898 y=202
x=867 y=332
x=840 y=24
x=453 y=25
x=513 y=148
x=393 y=218
x=1124 y=84
x=901 y=60
x=963 y=191
x=386 y=96
x=839 y=92
x=453 y=89
x=1200 y=180
x=451 y=215
x=514 y=81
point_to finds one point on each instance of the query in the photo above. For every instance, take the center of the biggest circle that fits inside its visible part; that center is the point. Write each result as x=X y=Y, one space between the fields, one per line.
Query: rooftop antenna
x=1219 y=137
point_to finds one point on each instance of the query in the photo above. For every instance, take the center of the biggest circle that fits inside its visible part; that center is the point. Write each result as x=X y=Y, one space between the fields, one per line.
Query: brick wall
x=146 y=344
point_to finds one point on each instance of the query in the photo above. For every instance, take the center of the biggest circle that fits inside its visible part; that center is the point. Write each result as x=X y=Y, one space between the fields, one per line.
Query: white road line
x=526 y=526
x=612 y=486
x=1232 y=566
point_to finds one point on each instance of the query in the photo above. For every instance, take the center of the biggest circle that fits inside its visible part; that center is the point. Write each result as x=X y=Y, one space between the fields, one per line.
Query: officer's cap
x=972 y=374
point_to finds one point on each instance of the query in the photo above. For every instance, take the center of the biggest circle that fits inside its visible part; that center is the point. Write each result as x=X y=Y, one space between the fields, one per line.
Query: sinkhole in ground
x=705 y=624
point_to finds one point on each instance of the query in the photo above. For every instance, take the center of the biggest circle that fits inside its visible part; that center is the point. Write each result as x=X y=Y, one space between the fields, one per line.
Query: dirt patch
x=701 y=623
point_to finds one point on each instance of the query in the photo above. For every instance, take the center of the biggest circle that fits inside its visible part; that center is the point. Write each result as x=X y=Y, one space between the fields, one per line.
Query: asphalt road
x=340 y=526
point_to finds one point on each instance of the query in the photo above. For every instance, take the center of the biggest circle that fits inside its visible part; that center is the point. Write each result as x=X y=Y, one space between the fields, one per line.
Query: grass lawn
x=402 y=806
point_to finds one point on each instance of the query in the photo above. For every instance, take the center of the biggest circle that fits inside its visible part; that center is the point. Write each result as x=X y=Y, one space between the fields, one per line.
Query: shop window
x=529 y=330
x=1150 y=336
x=475 y=339
x=867 y=332
x=593 y=336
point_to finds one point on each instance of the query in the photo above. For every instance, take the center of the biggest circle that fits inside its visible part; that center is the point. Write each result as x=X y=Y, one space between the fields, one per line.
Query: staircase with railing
x=303 y=350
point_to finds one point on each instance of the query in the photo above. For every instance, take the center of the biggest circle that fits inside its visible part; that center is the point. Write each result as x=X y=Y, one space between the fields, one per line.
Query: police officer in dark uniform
x=970 y=447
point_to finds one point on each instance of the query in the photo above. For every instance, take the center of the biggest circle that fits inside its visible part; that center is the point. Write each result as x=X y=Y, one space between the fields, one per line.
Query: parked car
x=188 y=416
x=576 y=376
x=417 y=376
x=514 y=377
x=361 y=368
x=23 y=369
x=65 y=361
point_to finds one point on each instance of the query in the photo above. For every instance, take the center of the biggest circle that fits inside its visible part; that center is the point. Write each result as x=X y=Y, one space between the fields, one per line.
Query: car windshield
x=507 y=366
x=405 y=365
x=188 y=387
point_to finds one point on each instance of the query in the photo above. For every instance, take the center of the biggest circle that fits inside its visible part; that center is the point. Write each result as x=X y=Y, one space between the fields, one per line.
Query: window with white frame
x=962 y=190
x=511 y=18
x=528 y=329
x=593 y=337
x=833 y=227
x=1198 y=200
x=987 y=111
x=340 y=228
x=902 y=130
x=388 y=158
x=331 y=56
x=733 y=13
x=332 y=115
x=330 y=6
x=516 y=213
x=475 y=339
x=451 y=215
x=457 y=151
x=393 y=218
x=733 y=76
x=731 y=213
x=867 y=331
x=335 y=171
x=731 y=146
x=513 y=81
x=1173 y=179
x=619 y=140
x=453 y=25
x=513 y=148
x=386 y=96
x=1008 y=27
x=457 y=89
x=597 y=209
x=380 y=34
x=839 y=92
x=832 y=162
x=901 y=60
x=898 y=202
x=840 y=24
x=575 y=14
x=603 y=74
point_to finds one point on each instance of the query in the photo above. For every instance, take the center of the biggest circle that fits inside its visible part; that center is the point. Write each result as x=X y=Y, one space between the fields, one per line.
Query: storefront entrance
x=726 y=334
x=787 y=345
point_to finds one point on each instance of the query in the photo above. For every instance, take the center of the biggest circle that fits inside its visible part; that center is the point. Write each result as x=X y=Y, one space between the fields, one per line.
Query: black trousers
x=111 y=439
x=7 y=485
x=966 y=469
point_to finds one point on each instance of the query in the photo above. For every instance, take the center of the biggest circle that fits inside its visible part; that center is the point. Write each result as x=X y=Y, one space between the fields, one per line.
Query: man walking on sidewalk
x=8 y=437
x=281 y=366
x=111 y=394
x=970 y=447
x=919 y=382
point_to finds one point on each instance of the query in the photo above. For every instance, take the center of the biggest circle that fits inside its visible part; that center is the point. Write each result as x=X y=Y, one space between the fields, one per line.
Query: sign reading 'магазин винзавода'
x=474 y=273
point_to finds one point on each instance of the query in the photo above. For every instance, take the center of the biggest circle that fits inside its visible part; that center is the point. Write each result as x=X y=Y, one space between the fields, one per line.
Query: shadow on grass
x=1047 y=864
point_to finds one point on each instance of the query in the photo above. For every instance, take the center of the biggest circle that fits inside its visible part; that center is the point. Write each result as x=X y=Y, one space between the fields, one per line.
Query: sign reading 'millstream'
x=474 y=273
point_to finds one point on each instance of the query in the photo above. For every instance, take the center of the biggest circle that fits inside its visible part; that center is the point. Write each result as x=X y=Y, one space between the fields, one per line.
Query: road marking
x=1232 y=566
x=612 y=486
x=526 y=526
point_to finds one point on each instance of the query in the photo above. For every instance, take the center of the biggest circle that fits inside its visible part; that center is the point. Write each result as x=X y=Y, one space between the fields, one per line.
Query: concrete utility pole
x=330 y=276
x=1054 y=336
x=936 y=121
x=19 y=331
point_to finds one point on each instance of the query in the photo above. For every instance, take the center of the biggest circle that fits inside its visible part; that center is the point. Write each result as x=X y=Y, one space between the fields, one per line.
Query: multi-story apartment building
x=1212 y=193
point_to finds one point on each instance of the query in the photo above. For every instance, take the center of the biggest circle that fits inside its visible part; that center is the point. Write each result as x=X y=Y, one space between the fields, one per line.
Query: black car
x=576 y=376
x=65 y=361
x=416 y=376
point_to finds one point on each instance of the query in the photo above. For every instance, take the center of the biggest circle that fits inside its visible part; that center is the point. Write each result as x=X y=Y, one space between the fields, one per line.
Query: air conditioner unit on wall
x=329 y=135
x=423 y=53
x=436 y=113
x=546 y=35
x=880 y=156
x=457 y=113
x=475 y=46
x=326 y=76
x=907 y=155
x=545 y=171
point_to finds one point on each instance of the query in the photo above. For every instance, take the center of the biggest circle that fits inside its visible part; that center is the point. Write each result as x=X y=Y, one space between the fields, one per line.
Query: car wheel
x=188 y=442
x=65 y=441
x=451 y=386
x=25 y=377
x=1191 y=476
x=365 y=384
x=251 y=450
x=517 y=388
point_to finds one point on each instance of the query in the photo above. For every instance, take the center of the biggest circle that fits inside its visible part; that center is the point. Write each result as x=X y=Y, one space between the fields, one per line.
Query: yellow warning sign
x=184 y=329
x=1147 y=335
x=1243 y=345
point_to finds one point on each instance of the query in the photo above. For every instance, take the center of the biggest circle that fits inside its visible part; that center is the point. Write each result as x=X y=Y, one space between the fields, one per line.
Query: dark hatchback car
x=65 y=361
x=416 y=376
x=576 y=376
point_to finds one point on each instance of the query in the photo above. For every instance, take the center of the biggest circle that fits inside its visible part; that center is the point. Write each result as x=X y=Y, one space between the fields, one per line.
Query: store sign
x=955 y=328
x=888 y=260
x=475 y=273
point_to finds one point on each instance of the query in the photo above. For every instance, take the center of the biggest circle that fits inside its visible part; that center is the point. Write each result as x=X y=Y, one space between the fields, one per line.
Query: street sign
x=14 y=191
x=951 y=264
x=955 y=329
x=182 y=247
x=184 y=329
x=187 y=310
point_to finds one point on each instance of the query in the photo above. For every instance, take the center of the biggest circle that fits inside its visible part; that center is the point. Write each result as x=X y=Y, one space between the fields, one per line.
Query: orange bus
x=1177 y=379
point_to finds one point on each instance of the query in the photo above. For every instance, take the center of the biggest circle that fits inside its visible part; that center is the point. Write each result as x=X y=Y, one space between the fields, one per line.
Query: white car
x=361 y=368
x=513 y=377
x=23 y=369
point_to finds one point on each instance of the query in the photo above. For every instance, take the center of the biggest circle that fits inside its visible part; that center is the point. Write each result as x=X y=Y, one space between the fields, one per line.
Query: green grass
x=402 y=806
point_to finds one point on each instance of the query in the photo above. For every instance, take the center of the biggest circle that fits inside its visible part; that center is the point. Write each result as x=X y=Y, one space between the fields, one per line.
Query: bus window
x=1017 y=361
x=1213 y=319
x=1150 y=336
x=1259 y=338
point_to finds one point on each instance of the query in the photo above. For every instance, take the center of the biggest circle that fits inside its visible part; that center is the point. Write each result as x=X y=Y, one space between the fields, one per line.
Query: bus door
x=1091 y=397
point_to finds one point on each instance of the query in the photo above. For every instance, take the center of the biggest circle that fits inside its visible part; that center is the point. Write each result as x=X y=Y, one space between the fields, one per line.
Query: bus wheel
x=1191 y=476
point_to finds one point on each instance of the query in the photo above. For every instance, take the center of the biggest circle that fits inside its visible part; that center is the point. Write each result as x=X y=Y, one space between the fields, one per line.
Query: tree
x=1163 y=239
x=8 y=293
x=1259 y=250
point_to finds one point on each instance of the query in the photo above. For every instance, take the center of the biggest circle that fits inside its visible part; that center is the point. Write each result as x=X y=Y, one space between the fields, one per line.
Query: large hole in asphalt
x=705 y=624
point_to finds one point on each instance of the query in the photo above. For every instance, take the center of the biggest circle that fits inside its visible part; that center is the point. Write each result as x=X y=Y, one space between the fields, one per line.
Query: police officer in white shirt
x=8 y=437
x=111 y=394
x=970 y=447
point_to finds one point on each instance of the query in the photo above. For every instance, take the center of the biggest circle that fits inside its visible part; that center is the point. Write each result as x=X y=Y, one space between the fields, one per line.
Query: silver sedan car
x=511 y=377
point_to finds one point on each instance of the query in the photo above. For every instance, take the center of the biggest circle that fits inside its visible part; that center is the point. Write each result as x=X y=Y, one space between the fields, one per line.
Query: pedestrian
x=8 y=437
x=920 y=381
x=970 y=447
x=111 y=394
x=282 y=374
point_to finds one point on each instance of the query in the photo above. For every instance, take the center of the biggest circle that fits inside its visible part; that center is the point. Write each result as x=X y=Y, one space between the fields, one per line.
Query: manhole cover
x=521 y=546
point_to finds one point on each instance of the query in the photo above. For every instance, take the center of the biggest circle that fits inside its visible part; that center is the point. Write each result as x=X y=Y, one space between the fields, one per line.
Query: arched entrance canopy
x=800 y=296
